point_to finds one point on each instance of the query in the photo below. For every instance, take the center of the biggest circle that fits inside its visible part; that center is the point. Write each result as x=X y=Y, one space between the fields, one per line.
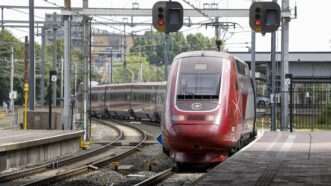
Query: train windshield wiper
x=193 y=96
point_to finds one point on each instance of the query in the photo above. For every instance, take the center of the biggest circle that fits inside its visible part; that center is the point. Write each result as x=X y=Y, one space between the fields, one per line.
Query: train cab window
x=199 y=78
x=240 y=67
x=247 y=70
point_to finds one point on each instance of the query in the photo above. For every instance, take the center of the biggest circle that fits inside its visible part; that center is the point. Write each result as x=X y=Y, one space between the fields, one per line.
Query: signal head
x=264 y=16
x=167 y=16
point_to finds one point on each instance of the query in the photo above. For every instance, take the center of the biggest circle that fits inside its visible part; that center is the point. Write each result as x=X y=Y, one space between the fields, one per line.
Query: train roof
x=208 y=53
x=160 y=83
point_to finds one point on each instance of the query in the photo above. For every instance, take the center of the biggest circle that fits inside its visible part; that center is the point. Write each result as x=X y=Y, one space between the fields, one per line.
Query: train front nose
x=193 y=136
x=196 y=143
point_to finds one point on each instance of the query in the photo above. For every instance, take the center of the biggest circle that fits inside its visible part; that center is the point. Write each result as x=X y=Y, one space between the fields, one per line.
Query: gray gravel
x=151 y=158
x=100 y=177
x=145 y=163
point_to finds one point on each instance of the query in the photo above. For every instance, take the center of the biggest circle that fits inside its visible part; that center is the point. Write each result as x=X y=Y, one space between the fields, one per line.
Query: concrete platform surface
x=18 y=139
x=277 y=158
x=21 y=148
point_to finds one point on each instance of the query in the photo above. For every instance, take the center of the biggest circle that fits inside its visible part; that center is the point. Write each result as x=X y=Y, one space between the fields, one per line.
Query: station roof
x=310 y=57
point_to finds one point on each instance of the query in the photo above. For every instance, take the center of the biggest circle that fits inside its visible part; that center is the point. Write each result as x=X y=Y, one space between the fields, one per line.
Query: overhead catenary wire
x=23 y=12
x=52 y=3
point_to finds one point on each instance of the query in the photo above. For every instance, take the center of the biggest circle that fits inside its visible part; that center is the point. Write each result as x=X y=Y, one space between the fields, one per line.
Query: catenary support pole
x=253 y=52
x=111 y=65
x=75 y=78
x=166 y=57
x=86 y=75
x=31 y=55
x=12 y=75
x=50 y=100
x=67 y=63
x=90 y=78
x=61 y=71
x=126 y=71
x=2 y=23
x=273 y=80
x=42 y=66
x=284 y=67
x=54 y=65
x=217 y=34
x=124 y=48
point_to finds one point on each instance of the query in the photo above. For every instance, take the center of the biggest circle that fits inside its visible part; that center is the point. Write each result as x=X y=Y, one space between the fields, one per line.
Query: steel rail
x=98 y=163
x=156 y=179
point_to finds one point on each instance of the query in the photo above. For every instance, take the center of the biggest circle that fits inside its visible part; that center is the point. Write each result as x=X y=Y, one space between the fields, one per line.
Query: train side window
x=157 y=99
x=247 y=70
x=147 y=97
x=99 y=95
x=150 y=97
x=134 y=96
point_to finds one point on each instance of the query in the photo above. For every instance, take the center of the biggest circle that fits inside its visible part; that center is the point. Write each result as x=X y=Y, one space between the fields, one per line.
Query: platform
x=19 y=148
x=277 y=158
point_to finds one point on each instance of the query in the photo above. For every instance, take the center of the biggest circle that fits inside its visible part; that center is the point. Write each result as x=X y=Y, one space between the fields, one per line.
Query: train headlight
x=210 y=118
x=177 y=118
x=215 y=119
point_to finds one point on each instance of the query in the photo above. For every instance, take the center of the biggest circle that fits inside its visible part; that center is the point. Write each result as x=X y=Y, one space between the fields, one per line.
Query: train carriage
x=138 y=101
x=209 y=109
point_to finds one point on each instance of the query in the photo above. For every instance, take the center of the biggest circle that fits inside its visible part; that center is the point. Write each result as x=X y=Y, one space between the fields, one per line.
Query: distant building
x=107 y=48
x=106 y=45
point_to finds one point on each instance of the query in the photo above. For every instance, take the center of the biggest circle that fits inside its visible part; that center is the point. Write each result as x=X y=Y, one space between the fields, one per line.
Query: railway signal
x=167 y=16
x=264 y=17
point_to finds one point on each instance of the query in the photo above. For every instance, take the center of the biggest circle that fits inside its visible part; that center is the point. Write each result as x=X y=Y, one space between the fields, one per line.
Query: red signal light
x=258 y=22
x=160 y=22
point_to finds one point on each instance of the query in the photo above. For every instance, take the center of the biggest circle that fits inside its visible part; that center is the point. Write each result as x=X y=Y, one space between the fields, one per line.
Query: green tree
x=7 y=40
x=198 y=42
x=137 y=66
x=151 y=45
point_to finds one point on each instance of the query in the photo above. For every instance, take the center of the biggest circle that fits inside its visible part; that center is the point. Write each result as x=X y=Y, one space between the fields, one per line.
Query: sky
x=310 y=31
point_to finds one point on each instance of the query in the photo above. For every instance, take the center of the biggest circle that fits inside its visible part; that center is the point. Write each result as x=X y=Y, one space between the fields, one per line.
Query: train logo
x=196 y=106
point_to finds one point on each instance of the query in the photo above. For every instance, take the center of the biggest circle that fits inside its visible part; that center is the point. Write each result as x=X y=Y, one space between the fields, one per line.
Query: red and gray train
x=206 y=109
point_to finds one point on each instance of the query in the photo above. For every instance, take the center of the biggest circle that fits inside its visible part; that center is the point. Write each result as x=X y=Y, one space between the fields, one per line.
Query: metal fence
x=310 y=102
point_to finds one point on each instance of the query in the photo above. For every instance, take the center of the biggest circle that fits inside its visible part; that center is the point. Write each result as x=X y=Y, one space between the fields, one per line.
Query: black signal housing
x=264 y=17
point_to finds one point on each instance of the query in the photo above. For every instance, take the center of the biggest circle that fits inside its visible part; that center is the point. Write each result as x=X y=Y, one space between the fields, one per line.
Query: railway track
x=157 y=178
x=74 y=165
x=171 y=177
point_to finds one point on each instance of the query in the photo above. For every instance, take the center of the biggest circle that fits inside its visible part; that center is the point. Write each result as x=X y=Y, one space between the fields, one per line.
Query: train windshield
x=199 y=78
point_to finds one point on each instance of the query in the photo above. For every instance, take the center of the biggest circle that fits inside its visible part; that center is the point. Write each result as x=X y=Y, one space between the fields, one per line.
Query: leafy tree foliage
x=7 y=40
x=151 y=45
x=138 y=69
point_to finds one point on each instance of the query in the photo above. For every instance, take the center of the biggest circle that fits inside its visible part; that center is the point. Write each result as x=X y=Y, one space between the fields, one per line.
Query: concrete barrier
x=27 y=151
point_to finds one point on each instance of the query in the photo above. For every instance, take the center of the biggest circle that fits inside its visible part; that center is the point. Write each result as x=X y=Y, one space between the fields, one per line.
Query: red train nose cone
x=194 y=137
